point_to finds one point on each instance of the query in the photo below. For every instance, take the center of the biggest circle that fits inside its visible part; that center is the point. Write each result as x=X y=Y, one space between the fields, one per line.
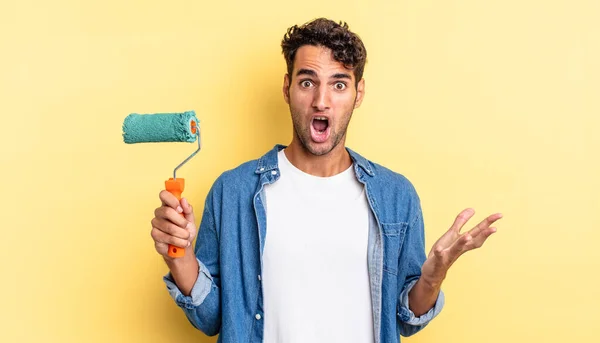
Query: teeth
x=321 y=118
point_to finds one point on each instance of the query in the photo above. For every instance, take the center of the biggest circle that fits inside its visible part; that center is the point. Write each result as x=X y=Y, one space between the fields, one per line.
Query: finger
x=160 y=236
x=192 y=234
x=188 y=211
x=186 y=206
x=167 y=213
x=161 y=248
x=461 y=219
x=459 y=246
x=170 y=200
x=482 y=237
x=484 y=224
x=171 y=229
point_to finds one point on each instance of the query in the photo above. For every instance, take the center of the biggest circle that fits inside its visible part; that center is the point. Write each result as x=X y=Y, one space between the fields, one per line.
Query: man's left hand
x=453 y=244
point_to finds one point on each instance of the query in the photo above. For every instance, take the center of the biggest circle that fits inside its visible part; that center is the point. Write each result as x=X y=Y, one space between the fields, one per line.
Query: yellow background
x=486 y=104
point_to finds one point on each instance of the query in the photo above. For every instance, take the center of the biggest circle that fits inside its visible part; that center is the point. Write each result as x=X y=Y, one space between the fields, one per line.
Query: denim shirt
x=227 y=297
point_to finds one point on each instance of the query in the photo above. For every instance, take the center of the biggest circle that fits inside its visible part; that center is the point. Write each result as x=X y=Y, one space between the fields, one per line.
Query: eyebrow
x=308 y=72
x=341 y=76
x=311 y=72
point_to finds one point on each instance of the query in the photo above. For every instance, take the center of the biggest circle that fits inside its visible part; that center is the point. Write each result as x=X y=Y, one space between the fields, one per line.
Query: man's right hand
x=170 y=227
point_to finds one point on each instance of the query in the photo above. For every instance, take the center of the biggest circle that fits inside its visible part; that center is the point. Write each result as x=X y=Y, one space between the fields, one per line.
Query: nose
x=321 y=99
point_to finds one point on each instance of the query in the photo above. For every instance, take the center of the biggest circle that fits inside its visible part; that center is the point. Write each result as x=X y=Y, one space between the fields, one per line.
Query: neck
x=330 y=164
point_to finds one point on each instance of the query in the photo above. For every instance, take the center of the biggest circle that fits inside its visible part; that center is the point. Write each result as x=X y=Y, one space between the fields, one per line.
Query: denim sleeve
x=411 y=260
x=410 y=323
x=203 y=306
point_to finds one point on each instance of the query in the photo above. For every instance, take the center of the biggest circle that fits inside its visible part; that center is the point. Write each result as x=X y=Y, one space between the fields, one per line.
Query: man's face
x=322 y=95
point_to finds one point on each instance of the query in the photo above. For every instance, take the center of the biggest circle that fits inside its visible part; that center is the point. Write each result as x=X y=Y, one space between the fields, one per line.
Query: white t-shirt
x=315 y=276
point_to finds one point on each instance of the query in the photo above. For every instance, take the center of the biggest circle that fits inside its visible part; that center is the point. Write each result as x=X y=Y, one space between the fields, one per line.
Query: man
x=312 y=242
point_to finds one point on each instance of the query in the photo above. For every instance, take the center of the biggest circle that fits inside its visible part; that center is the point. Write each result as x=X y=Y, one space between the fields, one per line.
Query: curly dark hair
x=347 y=48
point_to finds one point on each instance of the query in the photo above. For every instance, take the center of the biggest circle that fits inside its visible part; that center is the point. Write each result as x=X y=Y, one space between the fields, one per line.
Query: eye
x=340 y=86
x=306 y=83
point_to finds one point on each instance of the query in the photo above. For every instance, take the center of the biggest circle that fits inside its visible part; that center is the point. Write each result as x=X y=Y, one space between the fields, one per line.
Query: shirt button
x=259 y=278
x=274 y=172
x=257 y=317
x=261 y=169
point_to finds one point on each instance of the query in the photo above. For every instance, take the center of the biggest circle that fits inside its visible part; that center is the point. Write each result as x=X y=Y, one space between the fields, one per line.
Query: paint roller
x=165 y=127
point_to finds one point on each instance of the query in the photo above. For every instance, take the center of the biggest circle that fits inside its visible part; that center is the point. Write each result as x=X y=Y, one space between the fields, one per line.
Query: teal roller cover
x=159 y=127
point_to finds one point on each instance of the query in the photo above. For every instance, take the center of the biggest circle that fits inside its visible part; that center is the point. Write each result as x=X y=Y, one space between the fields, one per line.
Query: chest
x=327 y=225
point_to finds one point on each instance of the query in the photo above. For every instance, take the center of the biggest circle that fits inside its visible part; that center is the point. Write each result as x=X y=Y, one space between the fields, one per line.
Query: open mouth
x=320 y=129
x=320 y=124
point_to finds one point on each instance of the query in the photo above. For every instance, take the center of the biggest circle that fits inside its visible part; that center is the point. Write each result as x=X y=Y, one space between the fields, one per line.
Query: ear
x=286 y=88
x=360 y=93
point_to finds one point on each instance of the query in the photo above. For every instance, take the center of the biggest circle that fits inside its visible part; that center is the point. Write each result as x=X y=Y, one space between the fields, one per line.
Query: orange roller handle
x=175 y=187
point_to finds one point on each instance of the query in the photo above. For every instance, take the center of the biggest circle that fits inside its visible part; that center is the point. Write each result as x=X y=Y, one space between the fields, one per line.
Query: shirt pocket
x=393 y=237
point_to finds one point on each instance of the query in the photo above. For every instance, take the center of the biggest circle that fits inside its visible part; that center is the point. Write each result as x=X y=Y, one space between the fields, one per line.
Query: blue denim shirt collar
x=268 y=161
